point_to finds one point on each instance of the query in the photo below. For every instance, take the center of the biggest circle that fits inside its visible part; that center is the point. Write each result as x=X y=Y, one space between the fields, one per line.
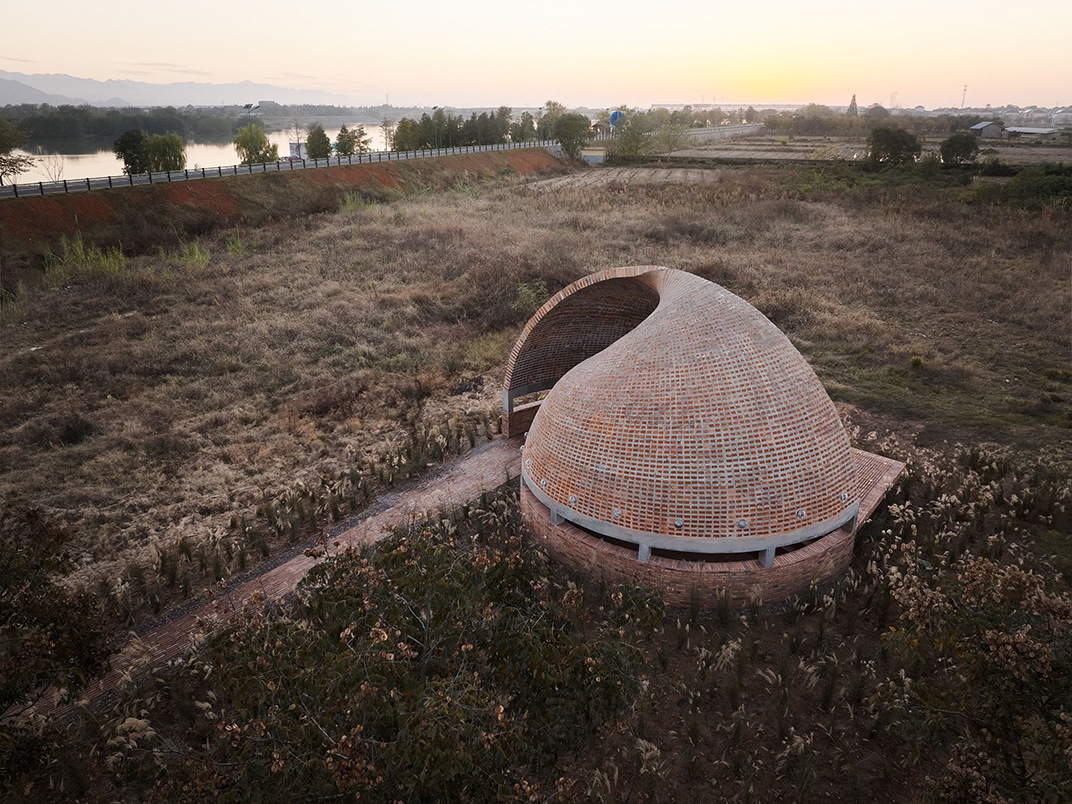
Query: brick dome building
x=684 y=443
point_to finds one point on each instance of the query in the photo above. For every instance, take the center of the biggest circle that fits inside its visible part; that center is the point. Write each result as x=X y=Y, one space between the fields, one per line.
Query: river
x=92 y=158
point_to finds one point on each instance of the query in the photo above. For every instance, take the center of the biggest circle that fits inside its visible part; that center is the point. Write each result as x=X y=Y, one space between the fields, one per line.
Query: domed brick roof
x=679 y=418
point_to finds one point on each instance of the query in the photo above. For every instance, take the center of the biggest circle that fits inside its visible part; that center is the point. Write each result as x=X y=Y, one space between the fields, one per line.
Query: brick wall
x=518 y=422
x=792 y=573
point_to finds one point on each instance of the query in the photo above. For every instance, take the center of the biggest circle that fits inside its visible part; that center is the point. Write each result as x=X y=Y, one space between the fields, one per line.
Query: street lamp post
x=435 y=126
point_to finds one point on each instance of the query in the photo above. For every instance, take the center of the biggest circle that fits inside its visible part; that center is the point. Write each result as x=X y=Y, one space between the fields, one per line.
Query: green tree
x=523 y=129
x=12 y=165
x=572 y=132
x=671 y=136
x=959 y=149
x=407 y=135
x=253 y=146
x=346 y=142
x=388 y=127
x=892 y=146
x=853 y=110
x=634 y=138
x=317 y=144
x=164 y=152
x=130 y=147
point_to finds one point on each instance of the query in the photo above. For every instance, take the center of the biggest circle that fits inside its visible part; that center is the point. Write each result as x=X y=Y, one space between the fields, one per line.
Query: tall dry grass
x=154 y=405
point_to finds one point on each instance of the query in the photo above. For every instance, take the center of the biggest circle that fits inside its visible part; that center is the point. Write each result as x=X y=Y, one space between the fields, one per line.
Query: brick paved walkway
x=485 y=468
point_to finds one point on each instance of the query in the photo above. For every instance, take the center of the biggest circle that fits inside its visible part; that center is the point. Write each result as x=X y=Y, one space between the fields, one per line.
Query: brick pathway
x=485 y=468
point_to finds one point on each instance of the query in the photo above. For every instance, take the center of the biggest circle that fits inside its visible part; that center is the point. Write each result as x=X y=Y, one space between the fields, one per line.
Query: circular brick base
x=682 y=582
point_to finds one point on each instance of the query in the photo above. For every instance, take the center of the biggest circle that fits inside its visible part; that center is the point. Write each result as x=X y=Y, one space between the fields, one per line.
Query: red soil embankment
x=150 y=215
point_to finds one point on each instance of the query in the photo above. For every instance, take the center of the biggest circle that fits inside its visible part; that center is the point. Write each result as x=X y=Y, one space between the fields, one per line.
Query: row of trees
x=895 y=146
x=349 y=141
x=75 y=122
x=444 y=130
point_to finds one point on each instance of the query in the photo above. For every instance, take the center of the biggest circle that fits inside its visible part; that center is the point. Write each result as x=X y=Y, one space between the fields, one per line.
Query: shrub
x=959 y=149
x=79 y=260
x=441 y=665
x=892 y=146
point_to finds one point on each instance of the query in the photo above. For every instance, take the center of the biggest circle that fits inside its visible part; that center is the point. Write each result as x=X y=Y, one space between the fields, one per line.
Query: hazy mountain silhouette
x=140 y=93
x=16 y=92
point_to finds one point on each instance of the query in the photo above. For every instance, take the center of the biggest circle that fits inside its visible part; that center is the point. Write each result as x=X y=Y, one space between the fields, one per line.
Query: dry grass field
x=775 y=148
x=147 y=401
x=173 y=408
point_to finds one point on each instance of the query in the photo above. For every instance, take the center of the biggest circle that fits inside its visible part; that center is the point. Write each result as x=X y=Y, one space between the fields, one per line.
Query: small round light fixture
x=679 y=523
x=801 y=513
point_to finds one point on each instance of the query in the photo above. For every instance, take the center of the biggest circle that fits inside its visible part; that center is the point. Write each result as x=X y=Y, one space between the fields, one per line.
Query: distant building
x=988 y=130
x=1026 y=131
x=594 y=154
x=268 y=104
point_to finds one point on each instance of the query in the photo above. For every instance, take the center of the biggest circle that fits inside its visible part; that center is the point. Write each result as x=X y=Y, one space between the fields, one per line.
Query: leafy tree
x=150 y=153
x=387 y=125
x=12 y=165
x=671 y=136
x=876 y=112
x=130 y=147
x=852 y=111
x=959 y=149
x=165 y=152
x=317 y=144
x=523 y=129
x=572 y=132
x=750 y=115
x=407 y=135
x=634 y=138
x=345 y=142
x=892 y=146
x=253 y=146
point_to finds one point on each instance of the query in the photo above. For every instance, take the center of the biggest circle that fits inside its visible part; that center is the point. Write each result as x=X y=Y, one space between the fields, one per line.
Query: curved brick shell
x=678 y=410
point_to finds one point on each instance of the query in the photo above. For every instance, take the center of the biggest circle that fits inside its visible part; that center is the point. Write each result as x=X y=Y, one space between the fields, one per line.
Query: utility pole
x=962 y=97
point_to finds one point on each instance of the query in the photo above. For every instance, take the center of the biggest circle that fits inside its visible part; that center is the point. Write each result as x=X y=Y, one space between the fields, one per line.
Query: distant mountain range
x=57 y=89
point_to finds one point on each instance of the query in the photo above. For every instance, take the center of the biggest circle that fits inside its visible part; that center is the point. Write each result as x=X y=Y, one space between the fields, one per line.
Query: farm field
x=784 y=148
x=188 y=413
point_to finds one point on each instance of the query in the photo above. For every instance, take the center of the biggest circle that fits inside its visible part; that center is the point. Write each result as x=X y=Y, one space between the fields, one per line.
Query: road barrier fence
x=282 y=165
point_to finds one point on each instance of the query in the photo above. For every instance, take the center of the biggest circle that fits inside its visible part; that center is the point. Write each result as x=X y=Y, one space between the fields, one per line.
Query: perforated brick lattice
x=698 y=419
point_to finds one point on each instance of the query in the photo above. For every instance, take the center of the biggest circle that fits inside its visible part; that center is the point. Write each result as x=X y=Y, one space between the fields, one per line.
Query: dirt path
x=485 y=468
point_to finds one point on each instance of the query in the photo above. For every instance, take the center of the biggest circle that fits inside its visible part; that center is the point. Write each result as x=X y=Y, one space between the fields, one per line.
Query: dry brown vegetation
x=154 y=400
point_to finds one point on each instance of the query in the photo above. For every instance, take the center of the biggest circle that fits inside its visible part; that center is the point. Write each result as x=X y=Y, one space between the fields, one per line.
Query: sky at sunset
x=521 y=54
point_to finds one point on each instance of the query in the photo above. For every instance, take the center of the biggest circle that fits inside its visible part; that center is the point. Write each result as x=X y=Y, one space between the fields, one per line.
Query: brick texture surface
x=676 y=409
x=702 y=420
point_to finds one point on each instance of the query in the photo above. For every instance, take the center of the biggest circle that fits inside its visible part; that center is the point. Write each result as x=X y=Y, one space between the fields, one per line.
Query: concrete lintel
x=510 y=394
x=643 y=553
x=766 y=558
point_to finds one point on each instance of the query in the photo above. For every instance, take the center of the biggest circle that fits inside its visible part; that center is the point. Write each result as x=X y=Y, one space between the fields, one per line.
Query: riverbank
x=163 y=215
